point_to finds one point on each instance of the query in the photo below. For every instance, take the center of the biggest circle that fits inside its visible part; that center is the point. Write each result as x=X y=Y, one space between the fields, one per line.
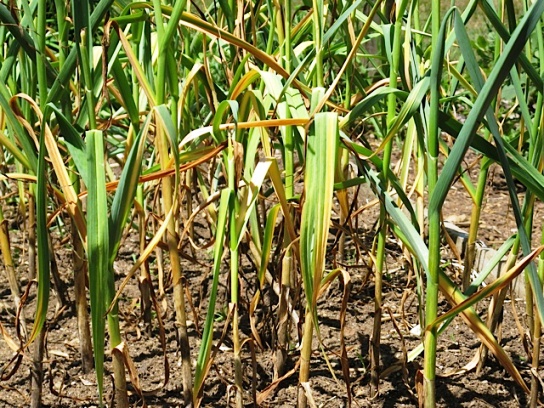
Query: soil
x=66 y=386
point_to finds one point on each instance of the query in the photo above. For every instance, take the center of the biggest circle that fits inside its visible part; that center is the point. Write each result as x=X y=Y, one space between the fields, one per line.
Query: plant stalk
x=177 y=276
x=431 y=294
x=83 y=328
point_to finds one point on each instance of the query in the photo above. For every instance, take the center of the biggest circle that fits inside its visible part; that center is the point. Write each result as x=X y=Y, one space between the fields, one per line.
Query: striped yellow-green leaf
x=98 y=247
x=317 y=204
